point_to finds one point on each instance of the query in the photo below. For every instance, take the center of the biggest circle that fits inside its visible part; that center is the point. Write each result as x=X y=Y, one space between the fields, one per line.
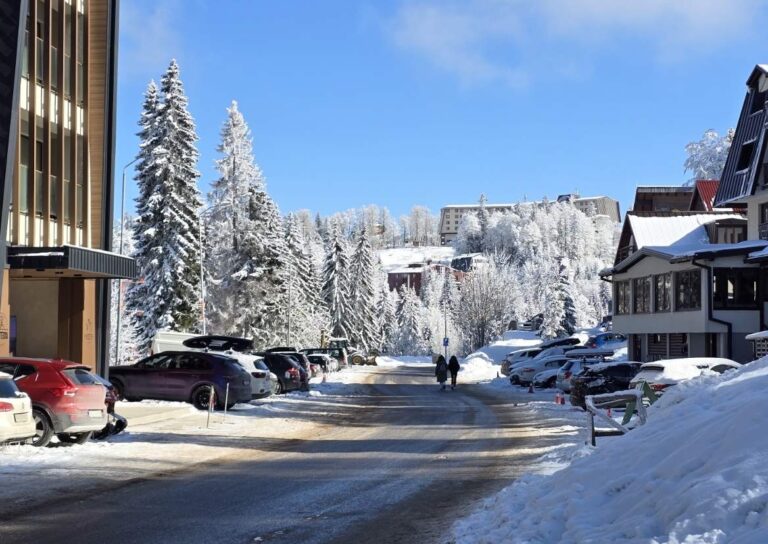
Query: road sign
x=445 y=341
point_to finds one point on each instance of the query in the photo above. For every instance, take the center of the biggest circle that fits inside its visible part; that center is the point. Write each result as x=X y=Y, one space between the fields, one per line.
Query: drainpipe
x=728 y=324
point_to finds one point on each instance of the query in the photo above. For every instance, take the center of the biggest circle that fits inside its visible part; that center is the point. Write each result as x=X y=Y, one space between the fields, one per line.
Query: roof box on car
x=586 y=353
x=219 y=343
x=570 y=341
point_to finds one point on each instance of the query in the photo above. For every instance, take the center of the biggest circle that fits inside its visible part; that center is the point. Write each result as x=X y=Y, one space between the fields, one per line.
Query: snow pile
x=695 y=472
x=391 y=362
x=478 y=367
x=511 y=341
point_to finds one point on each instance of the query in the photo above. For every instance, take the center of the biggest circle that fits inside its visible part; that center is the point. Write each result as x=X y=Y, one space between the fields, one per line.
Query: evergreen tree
x=482 y=218
x=387 y=317
x=336 y=292
x=410 y=338
x=363 y=295
x=568 y=323
x=167 y=233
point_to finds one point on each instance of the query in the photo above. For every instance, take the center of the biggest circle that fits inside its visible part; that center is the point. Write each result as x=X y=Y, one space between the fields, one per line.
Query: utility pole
x=120 y=281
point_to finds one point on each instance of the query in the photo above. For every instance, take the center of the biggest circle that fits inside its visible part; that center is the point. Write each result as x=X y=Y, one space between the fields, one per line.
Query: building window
x=663 y=292
x=735 y=288
x=762 y=227
x=642 y=300
x=745 y=156
x=730 y=234
x=688 y=290
x=623 y=297
x=758 y=101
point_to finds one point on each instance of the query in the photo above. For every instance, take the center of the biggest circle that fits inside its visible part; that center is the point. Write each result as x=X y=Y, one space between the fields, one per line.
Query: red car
x=67 y=400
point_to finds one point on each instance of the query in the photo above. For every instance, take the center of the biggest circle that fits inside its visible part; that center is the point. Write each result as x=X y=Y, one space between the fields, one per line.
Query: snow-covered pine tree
x=304 y=307
x=167 y=232
x=363 y=296
x=336 y=292
x=388 y=303
x=482 y=218
x=145 y=317
x=410 y=339
x=569 y=321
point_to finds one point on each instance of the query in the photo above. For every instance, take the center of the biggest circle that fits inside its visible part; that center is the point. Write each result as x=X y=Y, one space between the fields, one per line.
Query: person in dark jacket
x=454 y=368
x=441 y=371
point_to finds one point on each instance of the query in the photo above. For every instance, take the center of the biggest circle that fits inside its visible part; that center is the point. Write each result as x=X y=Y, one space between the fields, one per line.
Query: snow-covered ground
x=164 y=436
x=511 y=341
x=403 y=256
x=695 y=473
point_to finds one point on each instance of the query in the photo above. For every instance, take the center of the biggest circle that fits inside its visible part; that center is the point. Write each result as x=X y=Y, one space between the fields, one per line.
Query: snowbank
x=478 y=367
x=511 y=341
x=695 y=473
x=385 y=361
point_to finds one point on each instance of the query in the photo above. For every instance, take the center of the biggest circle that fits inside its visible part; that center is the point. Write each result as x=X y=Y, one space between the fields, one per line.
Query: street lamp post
x=120 y=281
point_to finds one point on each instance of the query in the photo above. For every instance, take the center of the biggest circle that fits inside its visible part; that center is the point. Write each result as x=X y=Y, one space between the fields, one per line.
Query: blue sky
x=431 y=102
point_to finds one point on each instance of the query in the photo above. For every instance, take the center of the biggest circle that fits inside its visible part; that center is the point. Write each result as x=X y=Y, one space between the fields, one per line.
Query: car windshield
x=8 y=389
x=80 y=376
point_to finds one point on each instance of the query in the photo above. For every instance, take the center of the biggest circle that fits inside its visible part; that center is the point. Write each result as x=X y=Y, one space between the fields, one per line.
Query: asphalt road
x=398 y=466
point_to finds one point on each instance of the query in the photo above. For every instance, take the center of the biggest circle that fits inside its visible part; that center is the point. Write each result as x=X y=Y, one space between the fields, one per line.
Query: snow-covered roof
x=677 y=253
x=667 y=230
x=762 y=335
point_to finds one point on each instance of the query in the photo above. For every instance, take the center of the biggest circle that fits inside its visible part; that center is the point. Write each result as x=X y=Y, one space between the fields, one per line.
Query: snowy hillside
x=400 y=257
x=695 y=472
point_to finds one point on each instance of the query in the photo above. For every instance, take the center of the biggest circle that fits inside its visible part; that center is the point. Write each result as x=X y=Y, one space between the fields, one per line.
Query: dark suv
x=184 y=376
x=290 y=375
x=602 y=378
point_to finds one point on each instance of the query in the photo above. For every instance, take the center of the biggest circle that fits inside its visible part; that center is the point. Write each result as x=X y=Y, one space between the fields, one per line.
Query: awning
x=69 y=262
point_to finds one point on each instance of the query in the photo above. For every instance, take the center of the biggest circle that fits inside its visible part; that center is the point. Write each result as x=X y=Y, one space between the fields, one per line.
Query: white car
x=668 y=372
x=517 y=357
x=16 y=421
x=546 y=378
x=523 y=374
x=326 y=362
x=262 y=384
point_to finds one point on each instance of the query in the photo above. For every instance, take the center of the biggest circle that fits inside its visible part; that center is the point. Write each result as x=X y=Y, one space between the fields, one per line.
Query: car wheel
x=119 y=389
x=201 y=397
x=514 y=380
x=43 y=428
x=551 y=383
x=74 y=438
x=357 y=360
x=277 y=387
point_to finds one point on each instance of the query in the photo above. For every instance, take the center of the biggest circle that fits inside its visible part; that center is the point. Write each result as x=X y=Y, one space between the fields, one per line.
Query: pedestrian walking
x=454 y=368
x=441 y=371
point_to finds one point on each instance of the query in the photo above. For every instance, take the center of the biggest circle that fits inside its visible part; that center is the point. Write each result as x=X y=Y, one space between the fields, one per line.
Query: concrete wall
x=35 y=303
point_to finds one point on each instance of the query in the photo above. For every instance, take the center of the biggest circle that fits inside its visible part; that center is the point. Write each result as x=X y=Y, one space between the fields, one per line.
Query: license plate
x=94 y=413
x=21 y=418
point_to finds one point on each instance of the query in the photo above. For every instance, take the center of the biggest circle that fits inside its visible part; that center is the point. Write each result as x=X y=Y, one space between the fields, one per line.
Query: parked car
x=340 y=354
x=326 y=362
x=240 y=350
x=578 y=360
x=290 y=375
x=303 y=362
x=668 y=372
x=606 y=339
x=67 y=400
x=185 y=376
x=523 y=375
x=518 y=356
x=16 y=421
x=602 y=378
x=546 y=379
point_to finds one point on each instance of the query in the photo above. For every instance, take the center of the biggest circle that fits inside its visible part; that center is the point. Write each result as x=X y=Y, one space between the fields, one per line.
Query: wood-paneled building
x=59 y=194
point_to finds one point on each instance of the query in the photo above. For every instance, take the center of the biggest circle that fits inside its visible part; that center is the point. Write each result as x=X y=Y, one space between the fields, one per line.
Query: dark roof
x=740 y=173
x=70 y=261
x=664 y=189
